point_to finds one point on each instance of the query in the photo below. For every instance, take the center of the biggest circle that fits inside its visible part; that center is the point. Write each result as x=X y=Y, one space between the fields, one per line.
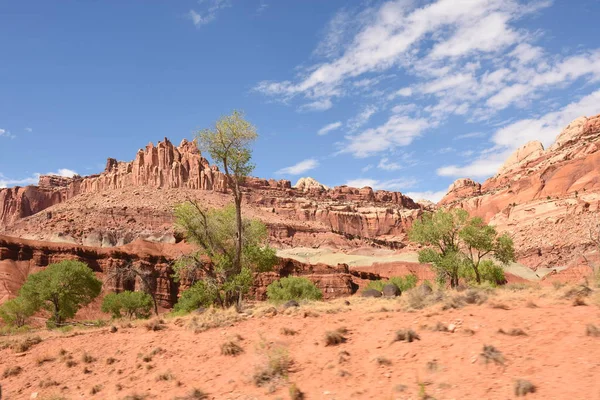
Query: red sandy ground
x=556 y=355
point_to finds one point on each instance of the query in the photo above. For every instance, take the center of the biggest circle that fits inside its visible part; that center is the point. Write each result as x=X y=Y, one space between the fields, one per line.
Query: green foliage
x=62 y=289
x=213 y=232
x=293 y=288
x=199 y=295
x=15 y=312
x=402 y=282
x=458 y=246
x=131 y=304
x=228 y=144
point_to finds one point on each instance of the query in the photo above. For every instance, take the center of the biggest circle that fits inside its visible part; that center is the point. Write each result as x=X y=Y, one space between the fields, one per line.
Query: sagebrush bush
x=131 y=304
x=293 y=288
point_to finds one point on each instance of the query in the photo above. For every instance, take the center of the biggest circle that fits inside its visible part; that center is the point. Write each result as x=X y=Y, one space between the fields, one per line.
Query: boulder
x=391 y=290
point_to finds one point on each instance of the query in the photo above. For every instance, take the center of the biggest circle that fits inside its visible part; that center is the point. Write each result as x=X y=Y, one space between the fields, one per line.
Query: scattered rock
x=391 y=290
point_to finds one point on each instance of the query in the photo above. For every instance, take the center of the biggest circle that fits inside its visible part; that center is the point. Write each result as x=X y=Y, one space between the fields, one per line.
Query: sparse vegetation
x=403 y=283
x=165 y=376
x=195 y=394
x=336 y=337
x=592 y=330
x=406 y=335
x=288 y=331
x=491 y=354
x=95 y=389
x=383 y=361
x=523 y=387
x=293 y=288
x=155 y=325
x=295 y=393
x=276 y=367
x=87 y=358
x=231 y=348
x=12 y=371
x=44 y=359
x=513 y=332
x=130 y=304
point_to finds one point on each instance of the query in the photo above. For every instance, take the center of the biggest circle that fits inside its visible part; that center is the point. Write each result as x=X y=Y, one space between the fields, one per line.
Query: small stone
x=451 y=328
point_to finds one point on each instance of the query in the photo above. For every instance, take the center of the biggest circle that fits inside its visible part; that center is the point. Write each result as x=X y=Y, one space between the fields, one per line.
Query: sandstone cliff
x=548 y=199
x=131 y=200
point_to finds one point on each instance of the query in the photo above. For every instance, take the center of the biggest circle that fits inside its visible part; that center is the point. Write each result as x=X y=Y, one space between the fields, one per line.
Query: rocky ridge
x=548 y=199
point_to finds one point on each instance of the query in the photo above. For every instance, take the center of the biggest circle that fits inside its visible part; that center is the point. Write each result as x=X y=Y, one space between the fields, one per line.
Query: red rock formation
x=20 y=257
x=547 y=199
x=104 y=209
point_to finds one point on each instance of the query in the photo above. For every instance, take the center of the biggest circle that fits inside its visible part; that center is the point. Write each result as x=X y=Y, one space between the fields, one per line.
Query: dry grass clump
x=276 y=367
x=155 y=325
x=25 y=344
x=491 y=354
x=111 y=360
x=165 y=376
x=406 y=335
x=418 y=299
x=231 y=348
x=295 y=393
x=87 y=358
x=336 y=337
x=44 y=359
x=531 y=304
x=12 y=371
x=439 y=327
x=96 y=389
x=513 y=332
x=214 y=318
x=288 y=331
x=432 y=366
x=578 y=291
x=195 y=394
x=579 y=301
x=48 y=383
x=383 y=361
x=592 y=330
x=522 y=387
x=499 y=306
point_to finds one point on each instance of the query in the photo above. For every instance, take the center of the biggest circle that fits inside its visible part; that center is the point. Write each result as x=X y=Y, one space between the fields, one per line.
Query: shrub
x=522 y=387
x=132 y=304
x=335 y=337
x=277 y=366
x=402 y=282
x=15 y=312
x=195 y=297
x=406 y=335
x=293 y=288
x=231 y=348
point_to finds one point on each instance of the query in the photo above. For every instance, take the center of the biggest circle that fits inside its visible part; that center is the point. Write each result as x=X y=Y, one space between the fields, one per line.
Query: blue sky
x=401 y=95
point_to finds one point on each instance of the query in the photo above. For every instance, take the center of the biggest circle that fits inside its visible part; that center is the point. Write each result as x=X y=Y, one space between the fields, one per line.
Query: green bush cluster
x=293 y=288
x=130 y=304
x=402 y=282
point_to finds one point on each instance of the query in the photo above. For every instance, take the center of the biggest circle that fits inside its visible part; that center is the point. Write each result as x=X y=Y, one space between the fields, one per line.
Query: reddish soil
x=556 y=355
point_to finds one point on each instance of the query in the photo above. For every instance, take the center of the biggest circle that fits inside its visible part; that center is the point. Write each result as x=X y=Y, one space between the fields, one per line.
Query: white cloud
x=428 y=195
x=318 y=105
x=470 y=135
x=33 y=179
x=507 y=139
x=64 y=172
x=398 y=131
x=28 y=130
x=6 y=134
x=299 y=168
x=362 y=118
x=391 y=184
x=262 y=7
x=388 y=165
x=209 y=13
x=366 y=168
x=329 y=127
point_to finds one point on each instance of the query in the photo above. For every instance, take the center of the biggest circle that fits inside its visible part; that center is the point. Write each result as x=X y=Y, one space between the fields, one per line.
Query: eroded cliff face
x=547 y=199
x=131 y=200
x=20 y=257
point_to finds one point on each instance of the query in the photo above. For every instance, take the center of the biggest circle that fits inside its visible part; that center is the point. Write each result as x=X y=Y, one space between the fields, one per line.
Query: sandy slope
x=556 y=355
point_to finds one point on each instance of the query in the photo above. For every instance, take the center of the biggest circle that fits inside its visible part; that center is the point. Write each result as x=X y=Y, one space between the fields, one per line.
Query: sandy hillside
x=555 y=354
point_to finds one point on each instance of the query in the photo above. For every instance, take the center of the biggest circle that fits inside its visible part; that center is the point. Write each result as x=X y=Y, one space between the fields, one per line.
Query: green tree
x=458 y=245
x=129 y=272
x=214 y=232
x=132 y=304
x=293 y=288
x=16 y=311
x=229 y=146
x=62 y=289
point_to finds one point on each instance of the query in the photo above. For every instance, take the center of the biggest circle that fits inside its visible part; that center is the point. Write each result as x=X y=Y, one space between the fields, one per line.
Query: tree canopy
x=214 y=233
x=62 y=289
x=458 y=245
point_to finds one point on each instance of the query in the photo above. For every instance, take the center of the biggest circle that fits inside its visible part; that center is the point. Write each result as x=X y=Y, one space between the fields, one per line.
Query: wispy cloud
x=33 y=179
x=209 y=11
x=362 y=118
x=390 y=184
x=329 y=127
x=471 y=135
x=427 y=195
x=300 y=167
x=262 y=7
x=6 y=134
x=28 y=130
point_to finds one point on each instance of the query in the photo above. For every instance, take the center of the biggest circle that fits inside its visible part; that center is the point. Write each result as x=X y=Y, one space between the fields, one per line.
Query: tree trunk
x=238 y=220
